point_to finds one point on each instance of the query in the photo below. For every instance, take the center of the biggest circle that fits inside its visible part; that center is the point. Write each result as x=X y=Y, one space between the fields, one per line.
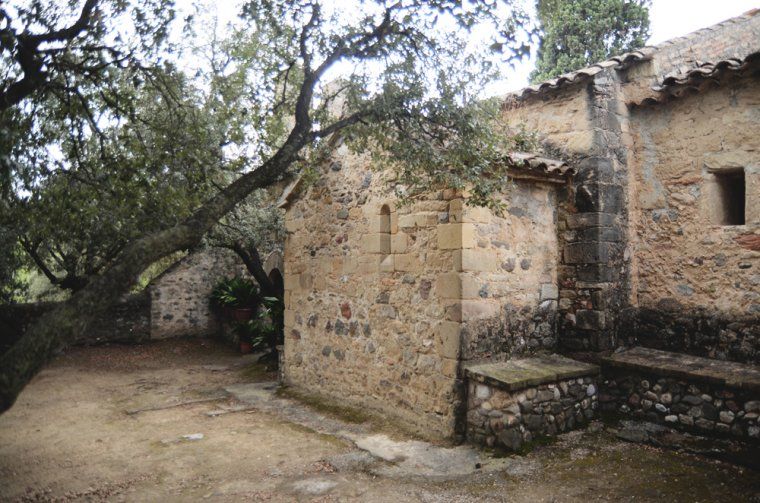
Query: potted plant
x=237 y=297
x=219 y=296
x=251 y=334
x=243 y=332
x=266 y=328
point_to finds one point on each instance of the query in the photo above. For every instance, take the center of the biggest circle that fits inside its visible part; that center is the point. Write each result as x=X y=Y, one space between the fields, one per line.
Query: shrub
x=236 y=292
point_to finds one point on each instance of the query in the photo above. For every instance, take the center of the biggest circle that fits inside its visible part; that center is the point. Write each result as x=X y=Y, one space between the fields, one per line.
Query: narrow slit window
x=385 y=229
x=730 y=201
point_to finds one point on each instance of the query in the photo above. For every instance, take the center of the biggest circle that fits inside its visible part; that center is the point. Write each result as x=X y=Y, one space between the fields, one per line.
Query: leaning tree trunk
x=252 y=260
x=52 y=331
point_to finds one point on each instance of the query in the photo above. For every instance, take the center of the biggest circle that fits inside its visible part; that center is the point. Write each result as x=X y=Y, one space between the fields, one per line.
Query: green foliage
x=112 y=183
x=136 y=148
x=414 y=99
x=38 y=288
x=12 y=281
x=426 y=156
x=157 y=268
x=235 y=292
x=577 y=33
x=110 y=142
x=262 y=331
x=254 y=222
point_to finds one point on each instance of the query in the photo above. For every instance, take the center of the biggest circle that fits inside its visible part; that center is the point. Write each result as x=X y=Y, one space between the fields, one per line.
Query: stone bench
x=687 y=392
x=511 y=403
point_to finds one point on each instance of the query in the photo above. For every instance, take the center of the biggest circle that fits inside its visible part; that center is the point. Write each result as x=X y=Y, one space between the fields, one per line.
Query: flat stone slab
x=514 y=375
x=687 y=367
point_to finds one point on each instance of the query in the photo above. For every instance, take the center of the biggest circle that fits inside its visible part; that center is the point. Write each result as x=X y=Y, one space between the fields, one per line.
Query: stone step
x=720 y=373
x=521 y=373
x=696 y=394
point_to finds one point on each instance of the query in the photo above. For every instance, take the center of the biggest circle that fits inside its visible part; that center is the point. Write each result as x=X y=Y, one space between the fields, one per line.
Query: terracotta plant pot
x=242 y=314
x=245 y=347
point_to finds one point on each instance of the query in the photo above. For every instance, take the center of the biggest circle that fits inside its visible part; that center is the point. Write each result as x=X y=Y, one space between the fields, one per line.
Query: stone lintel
x=687 y=367
x=514 y=375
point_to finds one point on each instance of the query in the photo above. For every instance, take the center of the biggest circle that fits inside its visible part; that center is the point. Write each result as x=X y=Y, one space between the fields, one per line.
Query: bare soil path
x=161 y=422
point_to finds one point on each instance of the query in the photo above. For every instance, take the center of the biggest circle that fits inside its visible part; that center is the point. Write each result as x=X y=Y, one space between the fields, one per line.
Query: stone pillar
x=594 y=272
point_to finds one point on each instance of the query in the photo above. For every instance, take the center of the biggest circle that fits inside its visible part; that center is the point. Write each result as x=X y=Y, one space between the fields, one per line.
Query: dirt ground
x=154 y=422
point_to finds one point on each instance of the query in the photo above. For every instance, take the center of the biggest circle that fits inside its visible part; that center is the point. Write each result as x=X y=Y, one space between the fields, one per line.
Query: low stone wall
x=699 y=332
x=692 y=393
x=512 y=418
x=180 y=297
x=14 y=318
x=692 y=406
x=127 y=321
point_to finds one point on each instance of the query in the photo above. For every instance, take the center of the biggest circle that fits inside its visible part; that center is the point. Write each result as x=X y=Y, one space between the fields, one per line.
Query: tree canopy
x=410 y=71
x=110 y=185
x=577 y=33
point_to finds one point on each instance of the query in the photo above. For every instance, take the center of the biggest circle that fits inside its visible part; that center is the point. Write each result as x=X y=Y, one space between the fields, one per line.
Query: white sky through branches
x=669 y=19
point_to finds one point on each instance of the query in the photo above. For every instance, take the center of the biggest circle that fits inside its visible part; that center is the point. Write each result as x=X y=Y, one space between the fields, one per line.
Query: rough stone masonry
x=631 y=234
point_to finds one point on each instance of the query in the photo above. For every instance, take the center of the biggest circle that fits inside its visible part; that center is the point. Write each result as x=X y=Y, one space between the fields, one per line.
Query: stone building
x=179 y=304
x=642 y=228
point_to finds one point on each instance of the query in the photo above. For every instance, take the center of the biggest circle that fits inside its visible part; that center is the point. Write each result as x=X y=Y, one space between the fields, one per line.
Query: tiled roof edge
x=622 y=61
x=699 y=78
x=618 y=62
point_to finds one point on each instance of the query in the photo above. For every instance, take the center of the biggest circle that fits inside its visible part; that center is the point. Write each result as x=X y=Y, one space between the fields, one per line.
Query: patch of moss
x=327 y=407
x=498 y=452
x=394 y=428
x=538 y=441
x=325 y=437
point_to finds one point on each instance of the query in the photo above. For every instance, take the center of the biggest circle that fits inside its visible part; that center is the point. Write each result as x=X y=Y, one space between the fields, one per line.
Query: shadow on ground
x=191 y=420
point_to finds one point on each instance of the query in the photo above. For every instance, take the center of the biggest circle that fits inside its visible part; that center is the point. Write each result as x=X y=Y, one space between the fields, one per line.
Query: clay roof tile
x=700 y=77
x=622 y=61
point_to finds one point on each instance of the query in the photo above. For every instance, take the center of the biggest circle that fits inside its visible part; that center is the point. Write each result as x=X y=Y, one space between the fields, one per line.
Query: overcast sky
x=669 y=19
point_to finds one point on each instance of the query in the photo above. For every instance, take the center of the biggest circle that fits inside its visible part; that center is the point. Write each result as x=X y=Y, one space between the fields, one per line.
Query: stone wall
x=508 y=275
x=176 y=304
x=636 y=231
x=127 y=321
x=383 y=301
x=697 y=407
x=585 y=123
x=697 y=285
x=180 y=296
x=368 y=320
x=510 y=419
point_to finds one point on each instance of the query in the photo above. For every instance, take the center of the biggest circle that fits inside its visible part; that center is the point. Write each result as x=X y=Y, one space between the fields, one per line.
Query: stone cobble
x=699 y=408
x=511 y=419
